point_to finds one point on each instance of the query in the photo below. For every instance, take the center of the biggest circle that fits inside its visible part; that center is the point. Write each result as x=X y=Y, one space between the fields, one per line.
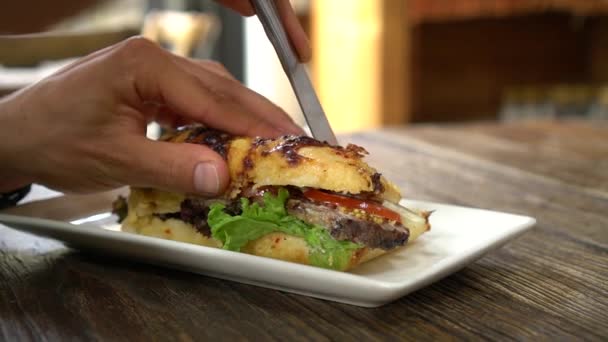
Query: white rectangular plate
x=458 y=237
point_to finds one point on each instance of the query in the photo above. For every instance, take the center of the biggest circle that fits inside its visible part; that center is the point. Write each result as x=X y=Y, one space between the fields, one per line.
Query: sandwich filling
x=333 y=225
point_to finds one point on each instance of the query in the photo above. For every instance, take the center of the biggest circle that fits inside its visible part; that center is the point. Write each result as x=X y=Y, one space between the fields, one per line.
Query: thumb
x=184 y=168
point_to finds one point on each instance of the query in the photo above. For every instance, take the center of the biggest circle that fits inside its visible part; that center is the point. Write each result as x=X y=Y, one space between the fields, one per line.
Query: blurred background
x=375 y=62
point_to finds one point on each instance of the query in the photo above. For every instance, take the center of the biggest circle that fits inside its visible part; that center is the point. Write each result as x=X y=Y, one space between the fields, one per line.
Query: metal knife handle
x=300 y=82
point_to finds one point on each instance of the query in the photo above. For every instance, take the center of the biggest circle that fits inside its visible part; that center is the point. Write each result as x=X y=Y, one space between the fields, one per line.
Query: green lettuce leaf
x=258 y=220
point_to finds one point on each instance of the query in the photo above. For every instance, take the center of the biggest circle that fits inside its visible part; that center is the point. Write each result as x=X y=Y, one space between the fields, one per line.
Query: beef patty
x=195 y=211
x=345 y=226
x=341 y=225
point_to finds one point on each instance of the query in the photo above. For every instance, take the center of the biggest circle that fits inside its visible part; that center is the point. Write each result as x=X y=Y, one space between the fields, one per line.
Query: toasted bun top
x=290 y=160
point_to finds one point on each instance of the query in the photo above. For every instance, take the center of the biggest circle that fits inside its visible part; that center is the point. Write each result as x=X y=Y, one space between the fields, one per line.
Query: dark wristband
x=10 y=199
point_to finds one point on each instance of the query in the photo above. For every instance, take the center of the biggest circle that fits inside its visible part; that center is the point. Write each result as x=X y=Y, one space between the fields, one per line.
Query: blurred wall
x=263 y=71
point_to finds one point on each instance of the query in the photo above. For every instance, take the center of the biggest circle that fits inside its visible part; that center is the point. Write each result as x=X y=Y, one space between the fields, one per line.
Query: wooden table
x=550 y=283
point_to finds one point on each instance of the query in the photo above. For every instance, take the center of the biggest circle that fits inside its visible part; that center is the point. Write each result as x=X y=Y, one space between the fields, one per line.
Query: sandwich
x=292 y=198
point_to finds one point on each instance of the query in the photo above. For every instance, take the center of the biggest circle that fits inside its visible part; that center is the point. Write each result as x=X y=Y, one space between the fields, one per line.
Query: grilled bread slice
x=342 y=216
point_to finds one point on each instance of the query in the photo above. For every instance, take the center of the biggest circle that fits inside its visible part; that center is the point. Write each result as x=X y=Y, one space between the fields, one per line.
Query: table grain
x=550 y=283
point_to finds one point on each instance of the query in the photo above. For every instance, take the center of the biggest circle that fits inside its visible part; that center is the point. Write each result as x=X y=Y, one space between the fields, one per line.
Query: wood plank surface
x=549 y=284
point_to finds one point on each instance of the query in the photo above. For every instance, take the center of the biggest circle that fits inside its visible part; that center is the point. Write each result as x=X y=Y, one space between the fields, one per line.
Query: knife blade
x=296 y=72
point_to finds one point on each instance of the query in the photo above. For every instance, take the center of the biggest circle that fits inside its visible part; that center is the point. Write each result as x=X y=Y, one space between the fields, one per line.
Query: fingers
x=166 y=118
x=242 y=6
x=185 y=93
x=296 y=33
x=199 y=91
x=224 y=83
x=183 y=168
x=214 y=67
x=199 y=94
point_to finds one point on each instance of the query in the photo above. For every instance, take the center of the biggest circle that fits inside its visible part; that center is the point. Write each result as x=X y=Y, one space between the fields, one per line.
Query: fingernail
x=206 y=179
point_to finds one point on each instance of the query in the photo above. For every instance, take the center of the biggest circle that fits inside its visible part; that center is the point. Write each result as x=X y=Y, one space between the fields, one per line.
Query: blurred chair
x=30 y=49
x=25 y=59
x=188 y=34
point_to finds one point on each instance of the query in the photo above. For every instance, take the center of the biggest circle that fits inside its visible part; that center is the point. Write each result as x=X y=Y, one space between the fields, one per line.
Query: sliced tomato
x=352 y=203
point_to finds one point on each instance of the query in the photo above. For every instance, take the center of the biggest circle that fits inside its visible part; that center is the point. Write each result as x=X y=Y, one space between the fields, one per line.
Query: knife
x=296 y=73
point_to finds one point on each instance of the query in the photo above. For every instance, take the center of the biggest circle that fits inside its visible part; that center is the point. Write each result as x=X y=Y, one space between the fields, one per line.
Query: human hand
x=296 y=33
x=83 y=128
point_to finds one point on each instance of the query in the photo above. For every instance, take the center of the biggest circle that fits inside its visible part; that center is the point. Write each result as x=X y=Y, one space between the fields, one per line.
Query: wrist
x=13 y=174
